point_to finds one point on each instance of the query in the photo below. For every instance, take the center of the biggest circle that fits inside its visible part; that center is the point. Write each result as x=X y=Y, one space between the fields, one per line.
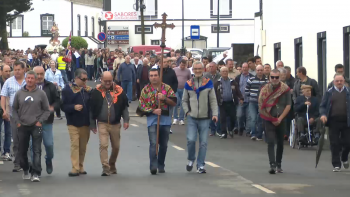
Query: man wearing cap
x=300 y=108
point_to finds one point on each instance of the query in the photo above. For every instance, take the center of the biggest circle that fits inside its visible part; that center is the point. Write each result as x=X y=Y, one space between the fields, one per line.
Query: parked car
x=145 y=48
x=214 y=51
x=196 y=53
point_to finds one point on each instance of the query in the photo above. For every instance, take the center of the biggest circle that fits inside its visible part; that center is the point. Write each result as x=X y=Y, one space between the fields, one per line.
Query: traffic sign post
x=118 y=35
x=195 y=33
x=101 y=37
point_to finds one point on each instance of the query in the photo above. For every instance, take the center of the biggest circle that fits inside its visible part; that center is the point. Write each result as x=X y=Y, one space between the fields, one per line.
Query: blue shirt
x=54 y=77
x=11 y=86
x=164 y=120
x=242 y=84
x=126 y=72
x=226 y=89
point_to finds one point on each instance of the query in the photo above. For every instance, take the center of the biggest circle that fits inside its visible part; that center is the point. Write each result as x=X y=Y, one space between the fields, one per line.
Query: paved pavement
x=236 y=167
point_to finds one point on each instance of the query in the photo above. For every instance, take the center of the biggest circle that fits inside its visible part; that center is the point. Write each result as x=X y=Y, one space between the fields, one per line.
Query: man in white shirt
x=54 y=55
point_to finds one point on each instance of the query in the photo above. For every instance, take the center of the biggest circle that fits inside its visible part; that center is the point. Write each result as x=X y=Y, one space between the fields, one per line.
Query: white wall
x=29 y=42
x=241 y=31
x=194 y=9
x=289 y=19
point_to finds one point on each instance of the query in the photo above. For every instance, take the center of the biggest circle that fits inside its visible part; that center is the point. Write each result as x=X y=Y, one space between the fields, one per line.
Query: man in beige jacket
x=118 y=61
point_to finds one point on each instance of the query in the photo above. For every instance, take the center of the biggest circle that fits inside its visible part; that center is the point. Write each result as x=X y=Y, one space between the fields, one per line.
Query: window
x=17 y=23
x=47 y=21
x=79 y=25
x=151 y=8
x=322 y=61
x=225 y=8
x=148 y=29
x=224 y=28
x=298 y=53
x=346 y=50
x=92 y=26
x=155 y=42
x=277 y=52
x=86 y=26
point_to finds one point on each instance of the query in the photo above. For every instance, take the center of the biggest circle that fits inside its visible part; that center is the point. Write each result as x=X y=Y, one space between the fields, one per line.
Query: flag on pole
x=69 y=51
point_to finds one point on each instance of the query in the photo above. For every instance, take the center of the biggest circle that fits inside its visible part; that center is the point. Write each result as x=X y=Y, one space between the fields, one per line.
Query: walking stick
x=163 y=25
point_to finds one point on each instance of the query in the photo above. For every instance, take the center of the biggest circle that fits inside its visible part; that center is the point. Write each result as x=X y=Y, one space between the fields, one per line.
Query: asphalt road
x=235 y=167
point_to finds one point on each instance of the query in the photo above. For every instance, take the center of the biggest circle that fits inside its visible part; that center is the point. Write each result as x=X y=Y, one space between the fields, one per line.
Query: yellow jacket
x=61 y=64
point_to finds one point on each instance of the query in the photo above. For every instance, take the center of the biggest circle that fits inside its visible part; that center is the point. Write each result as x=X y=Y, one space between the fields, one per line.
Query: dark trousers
x=227 y=109
x=58 y=111
x=158 y=162
x=275 y=134
x=24 y=134
x=339 y=137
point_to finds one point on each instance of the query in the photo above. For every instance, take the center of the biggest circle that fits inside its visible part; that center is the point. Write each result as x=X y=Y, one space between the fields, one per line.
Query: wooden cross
x=164 y=25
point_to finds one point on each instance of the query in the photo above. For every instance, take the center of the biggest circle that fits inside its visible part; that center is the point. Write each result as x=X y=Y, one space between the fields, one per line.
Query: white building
x=38 y=22
x=314 y=34
x=236 y=21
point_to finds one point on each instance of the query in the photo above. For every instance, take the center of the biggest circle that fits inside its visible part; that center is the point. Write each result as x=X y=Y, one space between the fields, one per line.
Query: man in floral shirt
x=148 y=105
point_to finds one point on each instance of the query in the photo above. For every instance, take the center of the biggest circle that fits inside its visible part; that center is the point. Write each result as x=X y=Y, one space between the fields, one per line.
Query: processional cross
x=163 y=25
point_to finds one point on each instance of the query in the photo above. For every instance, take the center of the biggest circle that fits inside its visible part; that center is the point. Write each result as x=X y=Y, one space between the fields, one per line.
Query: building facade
x=314 y=34
x=236 y=22
x=33 y=27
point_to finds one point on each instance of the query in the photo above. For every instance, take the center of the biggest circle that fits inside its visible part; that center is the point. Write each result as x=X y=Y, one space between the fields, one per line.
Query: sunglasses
x=84 y=79
x=274 y=77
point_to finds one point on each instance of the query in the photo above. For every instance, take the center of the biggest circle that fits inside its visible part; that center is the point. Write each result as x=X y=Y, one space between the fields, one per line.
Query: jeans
x=195 y=126
x=15 y=137
x=275 y=133
x=24 y=134
x=255 y=120
x=7 y=136
x=179 y=94
x=243 y=117
x=164 y=130
x=127 y=86
x=64 y=76
x=90 y=71
x=48 y=142
x=215 y=126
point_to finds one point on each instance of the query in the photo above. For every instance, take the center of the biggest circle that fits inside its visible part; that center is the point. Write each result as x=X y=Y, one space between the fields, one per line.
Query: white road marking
x=1 y=162
x=212 y=164
x=178 y=148
x=24 y=189
x=325 y=136
x=263 y=189
x=135 y=125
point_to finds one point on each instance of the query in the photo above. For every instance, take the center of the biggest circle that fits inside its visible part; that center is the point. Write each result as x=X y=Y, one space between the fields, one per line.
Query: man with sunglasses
x=108 y=104
x=75 y=104
x=274 y=104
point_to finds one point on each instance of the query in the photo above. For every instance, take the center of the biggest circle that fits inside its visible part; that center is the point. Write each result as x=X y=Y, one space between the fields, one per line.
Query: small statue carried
x=54 y=30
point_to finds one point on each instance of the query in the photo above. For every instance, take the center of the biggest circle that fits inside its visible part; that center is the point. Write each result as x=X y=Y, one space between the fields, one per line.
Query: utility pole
x=218 y=24
x=142 y=7
x=71 y=16
x=183 y=28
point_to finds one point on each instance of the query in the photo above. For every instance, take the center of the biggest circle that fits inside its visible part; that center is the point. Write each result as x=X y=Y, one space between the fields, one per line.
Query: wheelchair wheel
x=293 y=134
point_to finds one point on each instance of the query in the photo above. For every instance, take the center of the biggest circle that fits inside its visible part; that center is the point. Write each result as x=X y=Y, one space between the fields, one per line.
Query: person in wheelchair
x=301 y=108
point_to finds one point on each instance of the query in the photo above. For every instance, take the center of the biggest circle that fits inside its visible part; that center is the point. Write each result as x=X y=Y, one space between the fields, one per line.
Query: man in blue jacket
x=127 y=76
x=75 y=104
x=335 y=112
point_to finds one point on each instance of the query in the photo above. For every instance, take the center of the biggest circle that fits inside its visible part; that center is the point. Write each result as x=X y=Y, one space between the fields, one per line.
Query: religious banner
x=118 y=35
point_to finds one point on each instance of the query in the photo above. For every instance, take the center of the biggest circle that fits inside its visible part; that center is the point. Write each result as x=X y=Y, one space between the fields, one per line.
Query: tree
x=7 y=6
x=76 y=42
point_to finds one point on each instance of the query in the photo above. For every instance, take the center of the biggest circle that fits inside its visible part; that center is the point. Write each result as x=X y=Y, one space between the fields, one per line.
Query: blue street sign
x=119 y=37
x=195 y=33
x=101 y=37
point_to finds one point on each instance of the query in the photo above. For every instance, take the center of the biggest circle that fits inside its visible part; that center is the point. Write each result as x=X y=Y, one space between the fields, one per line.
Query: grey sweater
x=30 y=107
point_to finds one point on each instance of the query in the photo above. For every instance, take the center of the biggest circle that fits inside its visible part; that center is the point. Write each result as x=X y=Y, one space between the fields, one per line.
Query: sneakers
x=161 y=171
x=216 y=133
x=223 y=136
x=49 y=167
x=336 y=169
x=189 y=166
x=154 y=171
x=17 y=169
x=259 y=139
x=253 y=138
x=105 y=173
x=279 y=168
x=181 y=122
x=171 y=132
x=35 y=178
x=175 y=122
x=7 y=157
x=201 y=170
x=345 y=164
x=26 y=175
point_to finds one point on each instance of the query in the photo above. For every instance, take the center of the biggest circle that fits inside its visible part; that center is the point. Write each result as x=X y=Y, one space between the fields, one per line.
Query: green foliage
x=25 y=34
x=76 y=42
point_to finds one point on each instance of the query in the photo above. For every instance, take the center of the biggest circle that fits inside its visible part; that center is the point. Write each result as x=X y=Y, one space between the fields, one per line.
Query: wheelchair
x=310 y=140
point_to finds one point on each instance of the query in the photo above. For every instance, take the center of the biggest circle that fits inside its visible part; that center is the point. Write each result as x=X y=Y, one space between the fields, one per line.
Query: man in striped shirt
x=252 y=90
